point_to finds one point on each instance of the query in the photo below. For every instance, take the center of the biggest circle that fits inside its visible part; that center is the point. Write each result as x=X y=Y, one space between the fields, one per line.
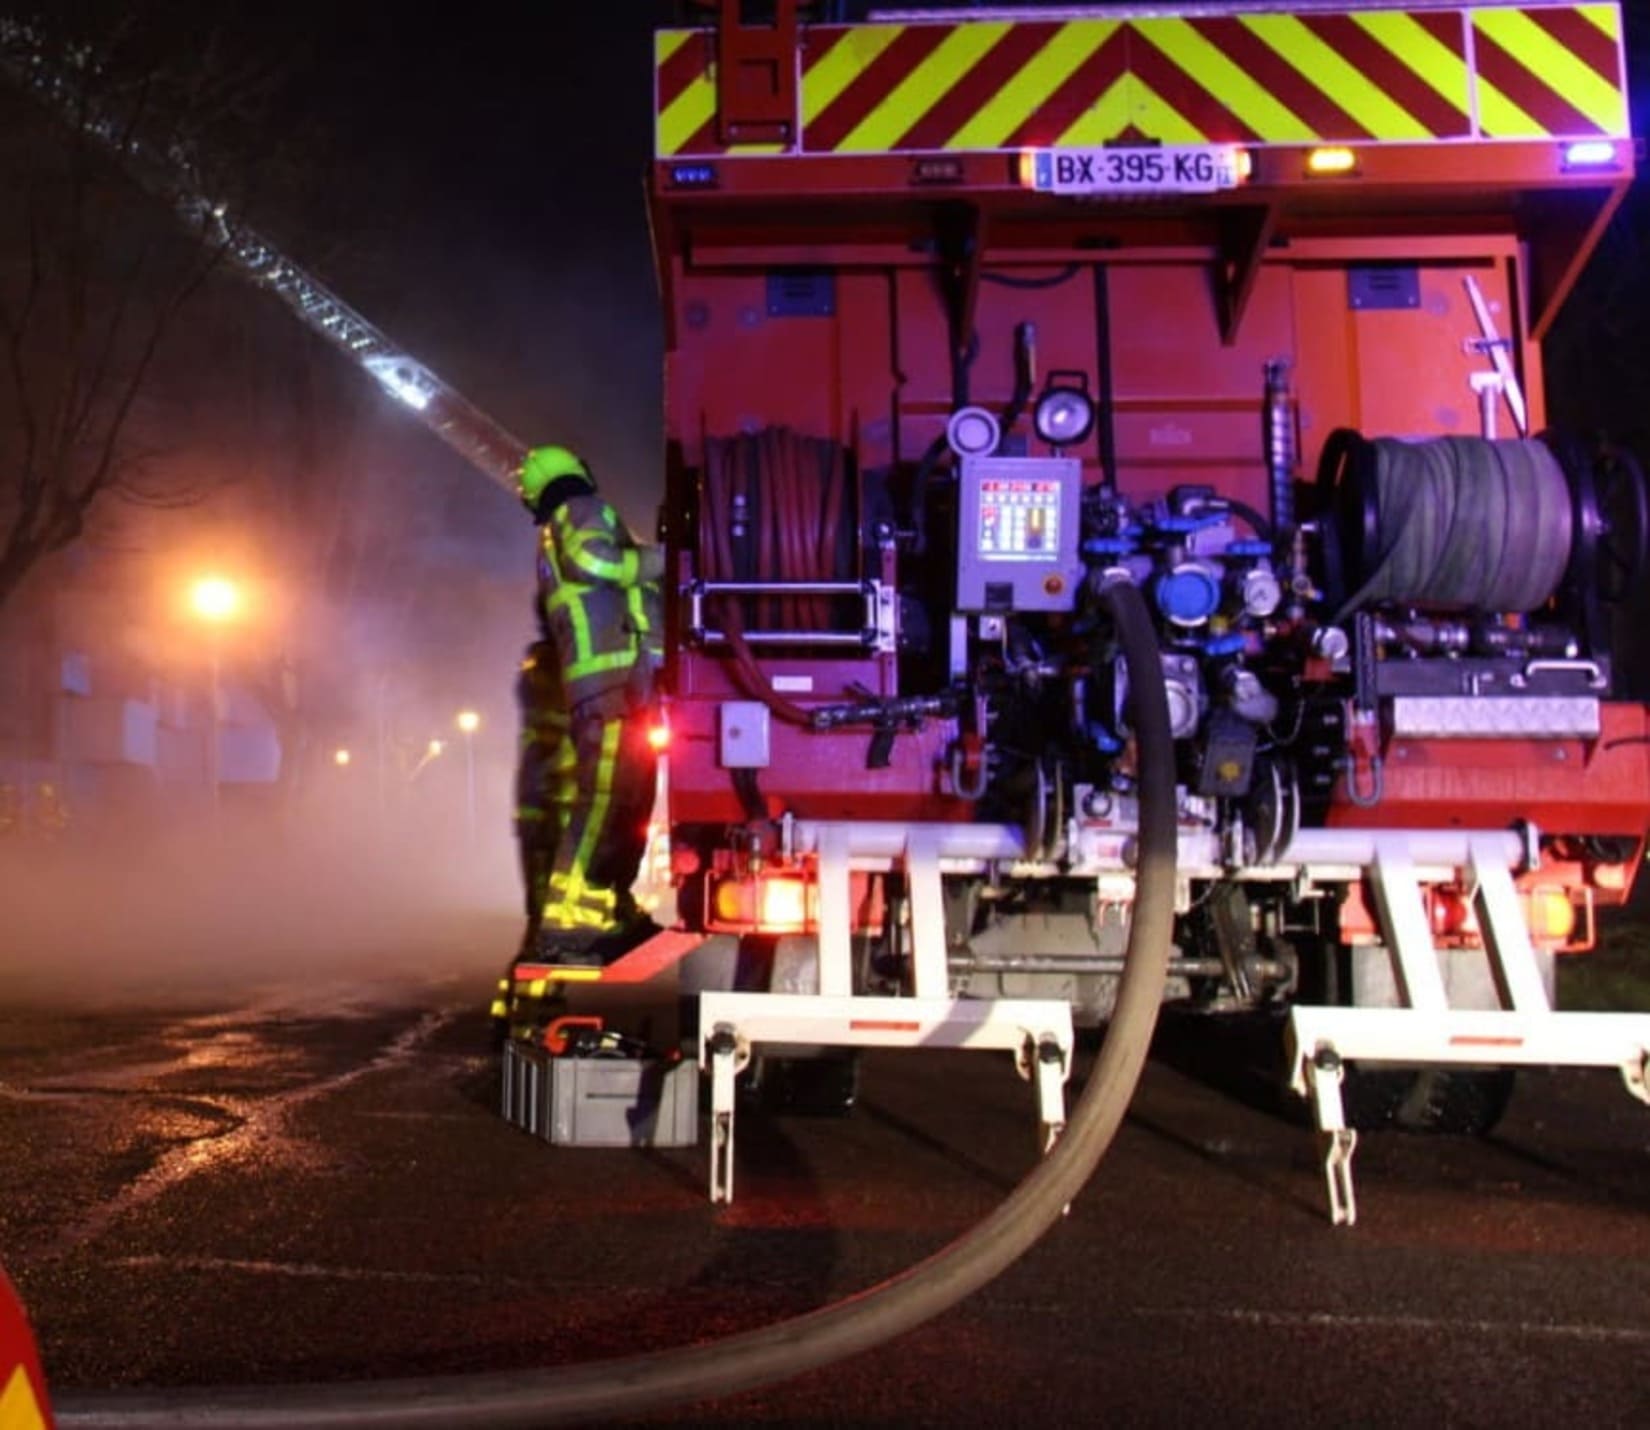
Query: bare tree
x=94 y=275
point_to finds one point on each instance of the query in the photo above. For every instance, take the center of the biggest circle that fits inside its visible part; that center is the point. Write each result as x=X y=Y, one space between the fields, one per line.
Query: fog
x=392 y=584
x=327 y=901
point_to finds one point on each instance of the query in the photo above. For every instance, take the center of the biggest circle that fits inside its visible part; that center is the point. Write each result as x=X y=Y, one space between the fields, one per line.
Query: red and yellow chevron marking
x=1371 y=75
x=1547 y=71
x=684 y=97
x=19 y=1407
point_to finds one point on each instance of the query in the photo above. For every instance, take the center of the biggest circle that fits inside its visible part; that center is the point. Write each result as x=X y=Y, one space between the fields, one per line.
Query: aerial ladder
x=173 y=178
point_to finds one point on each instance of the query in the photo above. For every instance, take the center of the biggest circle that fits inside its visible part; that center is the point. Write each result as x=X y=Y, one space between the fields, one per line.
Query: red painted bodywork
x=1202 y=290
x=19 y=1355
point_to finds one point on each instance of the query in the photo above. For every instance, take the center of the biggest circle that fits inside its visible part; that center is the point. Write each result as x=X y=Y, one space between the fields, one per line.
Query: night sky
x=480 y=184
x=472 y=183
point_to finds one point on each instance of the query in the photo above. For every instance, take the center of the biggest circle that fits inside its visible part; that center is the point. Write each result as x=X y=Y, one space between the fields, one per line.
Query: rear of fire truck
x=972 y=315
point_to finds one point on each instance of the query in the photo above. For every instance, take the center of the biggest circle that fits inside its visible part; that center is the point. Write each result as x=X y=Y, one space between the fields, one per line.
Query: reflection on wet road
x=317 y=1187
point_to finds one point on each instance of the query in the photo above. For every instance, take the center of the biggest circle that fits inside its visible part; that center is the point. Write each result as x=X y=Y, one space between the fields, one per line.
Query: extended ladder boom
x=170 y=177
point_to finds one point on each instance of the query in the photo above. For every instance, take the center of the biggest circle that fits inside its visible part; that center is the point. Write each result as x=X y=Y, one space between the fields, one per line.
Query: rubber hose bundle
x=774 y=507
x=1466 y=523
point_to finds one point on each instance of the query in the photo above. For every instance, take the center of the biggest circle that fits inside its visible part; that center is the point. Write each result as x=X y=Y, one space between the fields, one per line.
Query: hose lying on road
x=742 y=1362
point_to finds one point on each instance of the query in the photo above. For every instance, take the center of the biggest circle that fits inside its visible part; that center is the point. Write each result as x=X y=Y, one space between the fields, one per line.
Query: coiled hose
x=1457 y=522
x=774 y=508
x=636 y=1384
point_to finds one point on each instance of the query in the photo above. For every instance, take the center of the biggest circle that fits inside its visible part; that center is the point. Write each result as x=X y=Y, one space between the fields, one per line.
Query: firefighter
x=597 y=602
x=544 y=790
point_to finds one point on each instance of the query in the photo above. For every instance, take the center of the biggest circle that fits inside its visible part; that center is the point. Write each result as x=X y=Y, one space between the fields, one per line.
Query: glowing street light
x=216 y=600
x=468 y=721
x=340 y=758
x=434 y=748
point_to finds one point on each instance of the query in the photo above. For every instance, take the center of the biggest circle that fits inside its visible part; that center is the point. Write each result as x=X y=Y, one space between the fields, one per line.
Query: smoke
x=499 y=233
x=336 y=897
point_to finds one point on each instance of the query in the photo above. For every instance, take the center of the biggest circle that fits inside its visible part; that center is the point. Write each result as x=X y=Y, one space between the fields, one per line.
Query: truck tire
x=823 y=1086
x=1459 y=1102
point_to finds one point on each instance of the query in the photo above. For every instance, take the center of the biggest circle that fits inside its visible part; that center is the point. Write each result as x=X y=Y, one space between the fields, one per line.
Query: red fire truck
x=23 y=1403
x=976 y=319
x=972 y=315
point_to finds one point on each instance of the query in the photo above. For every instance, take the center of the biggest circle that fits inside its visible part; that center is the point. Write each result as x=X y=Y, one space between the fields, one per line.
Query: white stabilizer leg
x=1323 y=1075
x=1052 y=1067
x=1637 y=1076
x=722 y=1051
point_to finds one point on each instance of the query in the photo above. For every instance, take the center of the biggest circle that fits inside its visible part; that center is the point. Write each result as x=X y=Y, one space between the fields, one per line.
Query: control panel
x=1019 y=517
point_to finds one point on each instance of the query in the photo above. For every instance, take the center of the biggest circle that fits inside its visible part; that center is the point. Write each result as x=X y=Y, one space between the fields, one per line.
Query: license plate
x=1188 y=169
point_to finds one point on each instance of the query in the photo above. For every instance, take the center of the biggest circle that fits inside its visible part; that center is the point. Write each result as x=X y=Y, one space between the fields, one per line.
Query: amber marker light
x=1335 y=159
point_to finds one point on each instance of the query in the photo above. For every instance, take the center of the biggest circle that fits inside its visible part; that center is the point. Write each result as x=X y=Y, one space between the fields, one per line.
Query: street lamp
x=468 y=722
x=216 y=601
x=340 y=758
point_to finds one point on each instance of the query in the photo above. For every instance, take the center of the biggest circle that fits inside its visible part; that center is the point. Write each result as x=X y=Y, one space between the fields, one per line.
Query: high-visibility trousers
x=600 y=849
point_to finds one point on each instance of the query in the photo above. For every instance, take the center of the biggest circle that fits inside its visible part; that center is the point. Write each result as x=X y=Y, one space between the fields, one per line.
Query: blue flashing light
x=1224 y=645
x=693 y=176
x=1248 y=548
x=1589 y=154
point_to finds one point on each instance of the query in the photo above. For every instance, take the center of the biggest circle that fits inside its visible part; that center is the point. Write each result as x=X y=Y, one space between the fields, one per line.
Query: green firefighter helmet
x=547 y=467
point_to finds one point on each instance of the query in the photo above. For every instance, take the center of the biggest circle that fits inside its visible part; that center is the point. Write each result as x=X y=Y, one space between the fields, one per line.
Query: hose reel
x=1489 y=527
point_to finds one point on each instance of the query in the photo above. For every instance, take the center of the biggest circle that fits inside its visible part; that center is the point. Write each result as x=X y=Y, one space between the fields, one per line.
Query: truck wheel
x=1459 y=1102
x=822 y=1086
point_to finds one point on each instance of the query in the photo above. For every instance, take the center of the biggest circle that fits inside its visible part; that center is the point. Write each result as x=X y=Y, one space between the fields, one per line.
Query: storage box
x=601 y=1102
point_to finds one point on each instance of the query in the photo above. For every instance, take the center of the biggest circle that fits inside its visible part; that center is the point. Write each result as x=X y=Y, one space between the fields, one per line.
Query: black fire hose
x=636 y=1384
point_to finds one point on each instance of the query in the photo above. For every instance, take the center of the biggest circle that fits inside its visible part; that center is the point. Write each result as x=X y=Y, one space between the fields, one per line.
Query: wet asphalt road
x=315 y=1186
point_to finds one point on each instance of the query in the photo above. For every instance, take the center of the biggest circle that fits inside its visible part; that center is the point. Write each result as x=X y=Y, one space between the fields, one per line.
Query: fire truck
x=973 y=315
x=986 y=328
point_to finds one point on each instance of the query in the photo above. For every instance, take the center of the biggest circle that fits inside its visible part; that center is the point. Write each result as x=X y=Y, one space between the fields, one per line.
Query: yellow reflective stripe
x=1067 y=49
x=596 y=824
x=1499 y=116
x=842 y=64
x=547 y=552
x=596 y=664
x=924 y=87
x=1604 y=17
x=667 y=42
x=1110 y=115
x=1419 y=50
x=19 y=1410
x=500 y=1008
x=688 y=113
x=560 y=914
x=1324 y=67
x=636 y=599
x=1602 y=102
x=582 y=552
x=1251 y=102
x=571 y=889
x=566 y=598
